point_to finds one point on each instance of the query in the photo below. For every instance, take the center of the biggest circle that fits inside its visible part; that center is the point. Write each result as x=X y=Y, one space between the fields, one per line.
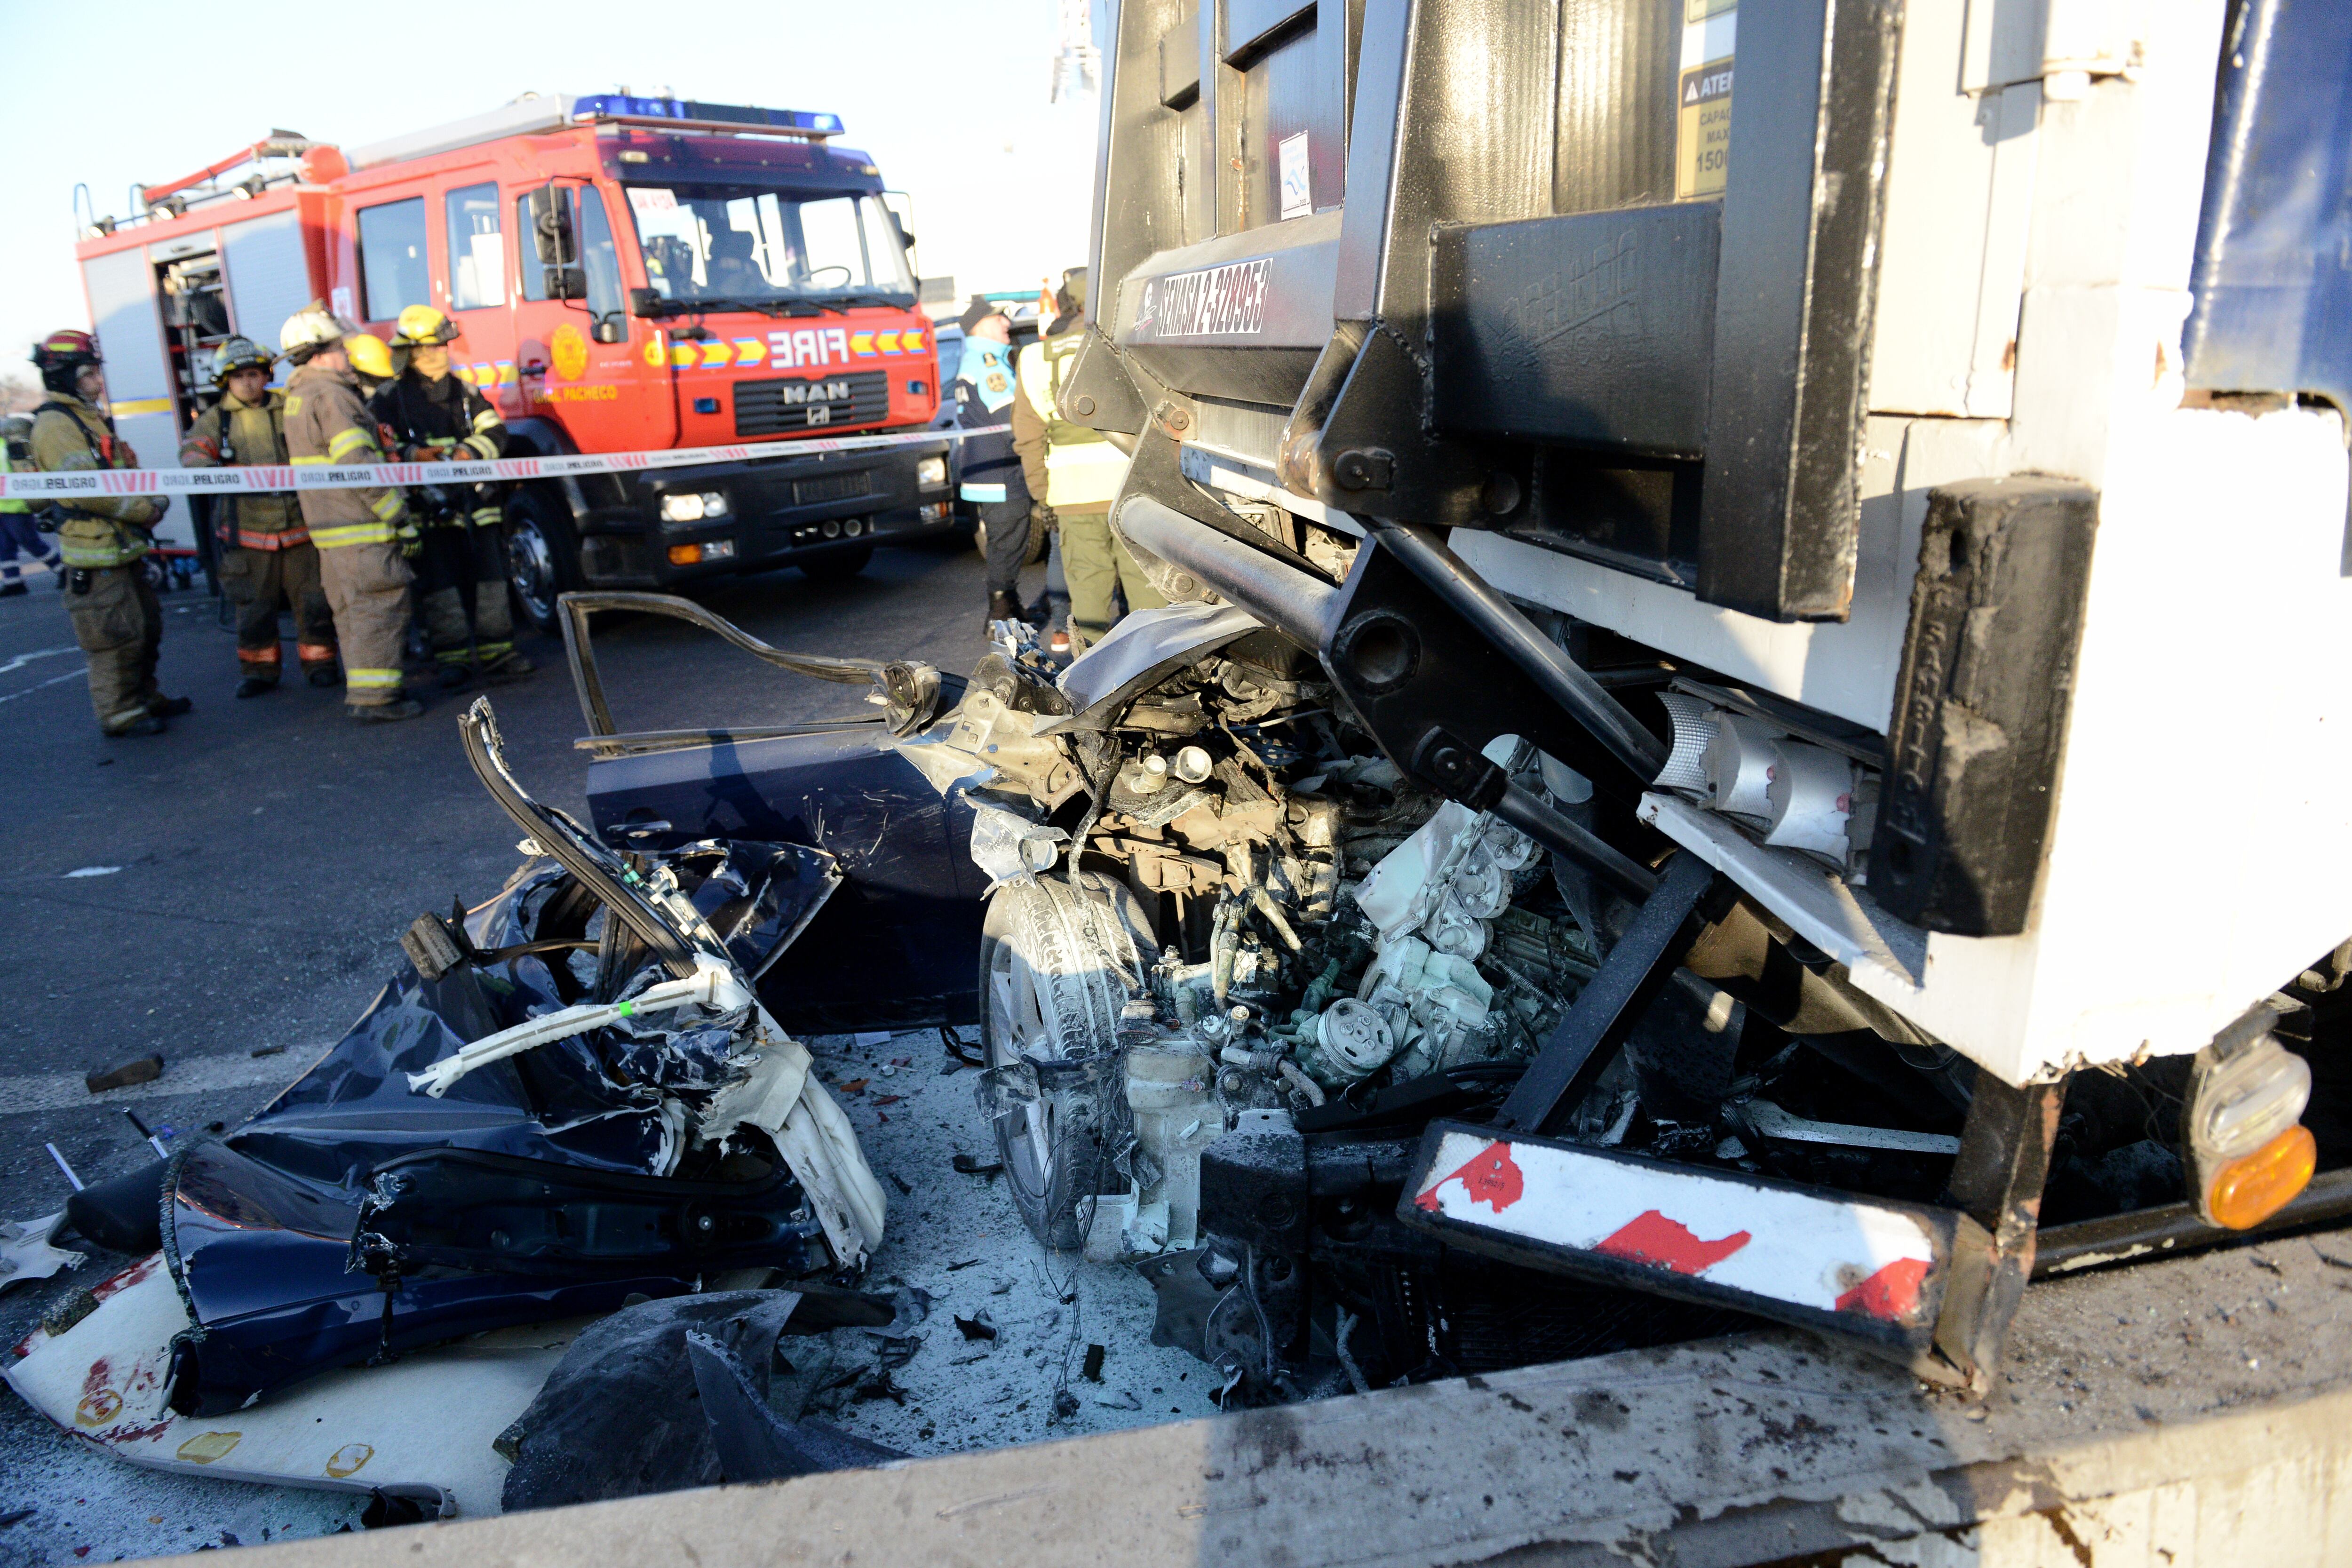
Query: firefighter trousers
x=119 y=625
x=464 y=570
x=367 y=589
x=256 y=582
x=1098 y=566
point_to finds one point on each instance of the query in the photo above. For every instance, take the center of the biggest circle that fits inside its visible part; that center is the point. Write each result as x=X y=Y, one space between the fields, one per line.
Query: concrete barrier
x=2196 y=1412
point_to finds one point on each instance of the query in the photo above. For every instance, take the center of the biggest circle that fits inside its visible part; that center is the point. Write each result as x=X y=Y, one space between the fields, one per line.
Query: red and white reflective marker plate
x=1854 y=1265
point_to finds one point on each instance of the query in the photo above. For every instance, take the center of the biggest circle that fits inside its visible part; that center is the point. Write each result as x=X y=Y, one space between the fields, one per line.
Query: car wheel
x=840 y=564
x=1055 y=965
x=542 y=556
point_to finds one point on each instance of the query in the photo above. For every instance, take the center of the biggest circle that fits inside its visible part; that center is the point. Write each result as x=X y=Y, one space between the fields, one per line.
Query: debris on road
x=623 y=1413
x=27 y=1250
x=575 y=1100
x=74 y=1180
x=144 y=1069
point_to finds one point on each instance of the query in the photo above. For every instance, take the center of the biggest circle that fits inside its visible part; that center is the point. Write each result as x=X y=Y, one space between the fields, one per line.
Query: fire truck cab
x=627 y=274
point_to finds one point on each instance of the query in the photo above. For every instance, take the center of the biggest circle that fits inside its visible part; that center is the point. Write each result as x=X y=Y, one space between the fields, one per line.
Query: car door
x=583 y=361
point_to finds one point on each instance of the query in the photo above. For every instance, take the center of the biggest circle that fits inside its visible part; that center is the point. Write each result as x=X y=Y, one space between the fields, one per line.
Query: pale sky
x=951 y=100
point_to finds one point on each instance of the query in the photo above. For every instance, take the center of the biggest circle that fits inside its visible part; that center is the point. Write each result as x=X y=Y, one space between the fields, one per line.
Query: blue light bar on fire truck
x=734 y=116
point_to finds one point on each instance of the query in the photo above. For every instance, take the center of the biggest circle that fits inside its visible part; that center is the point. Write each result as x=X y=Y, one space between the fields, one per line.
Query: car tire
x=542 y=556
x=1051 y=993
x=838 y=565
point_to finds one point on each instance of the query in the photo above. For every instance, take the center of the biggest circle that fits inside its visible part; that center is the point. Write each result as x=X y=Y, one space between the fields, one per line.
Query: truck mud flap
x=1869 y=1269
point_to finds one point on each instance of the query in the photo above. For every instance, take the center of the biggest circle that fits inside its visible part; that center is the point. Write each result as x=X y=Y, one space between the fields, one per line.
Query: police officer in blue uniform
x=991 y=469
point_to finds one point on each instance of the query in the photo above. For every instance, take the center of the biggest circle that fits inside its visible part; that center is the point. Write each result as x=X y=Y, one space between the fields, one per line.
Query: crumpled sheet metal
x=264 y=1232
x=421 y=1427
x=1144 y=650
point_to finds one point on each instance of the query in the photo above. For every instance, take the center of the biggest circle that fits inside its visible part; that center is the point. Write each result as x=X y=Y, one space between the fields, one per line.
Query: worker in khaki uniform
x=364 y=536
x=1076 y=473
x=434 y=417
x=266 y=551
x=102 y=538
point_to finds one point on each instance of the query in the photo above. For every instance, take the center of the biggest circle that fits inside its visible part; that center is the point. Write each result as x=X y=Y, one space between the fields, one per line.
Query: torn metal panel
x=586 y=1103
x=420 y=1426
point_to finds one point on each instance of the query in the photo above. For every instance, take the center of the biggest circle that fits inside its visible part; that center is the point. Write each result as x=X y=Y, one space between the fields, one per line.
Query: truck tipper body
x=627 y=275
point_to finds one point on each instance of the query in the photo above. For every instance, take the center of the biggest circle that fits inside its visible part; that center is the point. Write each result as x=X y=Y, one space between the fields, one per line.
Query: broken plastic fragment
x=25 y=1253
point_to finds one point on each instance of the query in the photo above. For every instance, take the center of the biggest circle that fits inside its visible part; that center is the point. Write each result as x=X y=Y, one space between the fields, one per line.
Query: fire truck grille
x=835 y=486
x=811 y=402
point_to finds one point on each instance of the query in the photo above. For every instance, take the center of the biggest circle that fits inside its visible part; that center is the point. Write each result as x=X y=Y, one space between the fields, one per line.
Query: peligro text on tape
x=267 y=478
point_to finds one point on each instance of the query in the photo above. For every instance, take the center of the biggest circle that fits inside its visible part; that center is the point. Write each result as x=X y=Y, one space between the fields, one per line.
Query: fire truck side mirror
x=645 y=301
x=610 y=328
x=566 y=282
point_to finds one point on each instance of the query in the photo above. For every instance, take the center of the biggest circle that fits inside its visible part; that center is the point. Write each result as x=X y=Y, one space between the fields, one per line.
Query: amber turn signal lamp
x=2248 y=1191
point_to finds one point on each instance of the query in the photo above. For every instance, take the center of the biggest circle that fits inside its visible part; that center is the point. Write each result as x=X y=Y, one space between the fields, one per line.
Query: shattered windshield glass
x=721 y=242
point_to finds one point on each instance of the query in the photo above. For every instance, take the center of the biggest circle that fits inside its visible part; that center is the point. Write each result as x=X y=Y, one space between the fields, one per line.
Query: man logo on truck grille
x=813 y=391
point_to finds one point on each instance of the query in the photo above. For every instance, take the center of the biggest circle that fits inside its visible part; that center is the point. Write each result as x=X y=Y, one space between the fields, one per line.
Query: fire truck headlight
x=931 y=473
x=694 y=508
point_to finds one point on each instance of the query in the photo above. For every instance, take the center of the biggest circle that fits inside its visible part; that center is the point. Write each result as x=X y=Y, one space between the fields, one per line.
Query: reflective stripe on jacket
x=1082 y=469
x=255 y=434
x=327 y=423
x=69 y=437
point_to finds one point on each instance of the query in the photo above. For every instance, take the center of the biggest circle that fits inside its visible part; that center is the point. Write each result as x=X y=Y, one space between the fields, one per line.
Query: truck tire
x=1050 y=960
x=839 y=564
x=542 y=555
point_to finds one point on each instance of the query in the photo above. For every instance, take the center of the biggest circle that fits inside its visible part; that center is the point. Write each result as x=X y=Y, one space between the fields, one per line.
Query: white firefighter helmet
x=310 y=328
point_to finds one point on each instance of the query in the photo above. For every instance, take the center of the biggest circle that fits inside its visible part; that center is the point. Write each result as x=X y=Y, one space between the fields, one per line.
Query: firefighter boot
x=1003 y=606
x=389 y=712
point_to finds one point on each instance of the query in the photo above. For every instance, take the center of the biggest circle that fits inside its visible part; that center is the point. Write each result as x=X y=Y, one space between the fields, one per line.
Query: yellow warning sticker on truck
x=1703 y=132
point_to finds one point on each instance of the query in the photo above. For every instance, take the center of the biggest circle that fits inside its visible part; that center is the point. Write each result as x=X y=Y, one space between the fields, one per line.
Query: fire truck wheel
x=842 y=564
x=542 y=556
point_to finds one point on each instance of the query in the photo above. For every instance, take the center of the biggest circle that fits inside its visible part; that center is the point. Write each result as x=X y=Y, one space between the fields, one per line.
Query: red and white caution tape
x=248 y=481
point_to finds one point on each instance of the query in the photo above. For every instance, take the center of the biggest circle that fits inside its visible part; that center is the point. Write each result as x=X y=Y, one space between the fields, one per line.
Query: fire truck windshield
x=724 y=243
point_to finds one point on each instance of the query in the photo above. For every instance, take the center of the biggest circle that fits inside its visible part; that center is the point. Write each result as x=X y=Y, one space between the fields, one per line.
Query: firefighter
x=435 y=417
x=18 y=531
x=102 y=539
x=371 y=360
x=266 y=551
x=364 y=536
x=1076 y=473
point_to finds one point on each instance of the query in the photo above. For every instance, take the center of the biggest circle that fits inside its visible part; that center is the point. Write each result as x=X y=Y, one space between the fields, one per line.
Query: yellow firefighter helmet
x=423 y=324
x=368 y=354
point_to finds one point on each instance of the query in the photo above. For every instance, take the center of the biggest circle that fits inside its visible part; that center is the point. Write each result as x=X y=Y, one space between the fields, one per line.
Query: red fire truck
x=629 y=274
